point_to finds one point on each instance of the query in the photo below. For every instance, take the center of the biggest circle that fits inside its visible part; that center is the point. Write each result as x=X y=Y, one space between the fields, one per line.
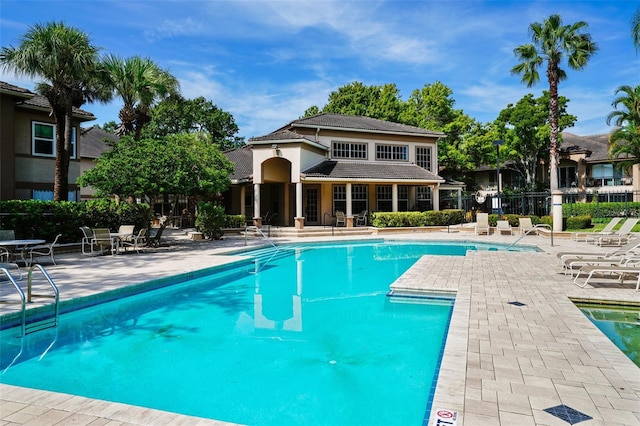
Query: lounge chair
x=503 y=226
x=526 y=226
x=43 y=250
x=622 y=234
x=631 y=246
x=577 y=264
x=592 y=236
x=482 y=223
x=607 y=271
x=340 y=219
x=103 y=240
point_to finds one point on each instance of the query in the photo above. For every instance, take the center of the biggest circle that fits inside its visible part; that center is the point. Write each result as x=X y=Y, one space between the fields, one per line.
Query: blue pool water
x=621 y=324
x=305 y=336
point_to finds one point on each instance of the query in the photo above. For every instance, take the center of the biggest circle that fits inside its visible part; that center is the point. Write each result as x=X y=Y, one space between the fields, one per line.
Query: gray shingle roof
x=14 y=90
x=332 y=169
x=598 y=145
x=242 y=159
x=280 y=135
x=92 y=142
x=40 y=101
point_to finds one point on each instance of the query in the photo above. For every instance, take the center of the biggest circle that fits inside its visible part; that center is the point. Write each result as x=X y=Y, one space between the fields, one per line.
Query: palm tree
x=624 y=140
x=139 y=82
x=552 y=42
x=67 y=62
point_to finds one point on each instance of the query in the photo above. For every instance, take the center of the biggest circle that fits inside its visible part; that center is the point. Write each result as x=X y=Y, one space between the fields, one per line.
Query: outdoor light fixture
x=497 y=144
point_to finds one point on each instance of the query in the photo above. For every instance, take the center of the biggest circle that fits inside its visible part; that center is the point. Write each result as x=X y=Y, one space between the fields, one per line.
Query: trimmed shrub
x=234 y=221
x=415 y=219
x=210 y=219
x=601 y=210
x=578 y=222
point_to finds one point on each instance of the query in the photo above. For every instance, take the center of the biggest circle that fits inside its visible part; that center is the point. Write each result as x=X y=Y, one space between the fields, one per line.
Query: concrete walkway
x=503 y=364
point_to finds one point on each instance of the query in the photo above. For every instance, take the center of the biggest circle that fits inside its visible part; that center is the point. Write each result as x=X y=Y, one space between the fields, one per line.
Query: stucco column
x=299 y=220
x=582 y=180
x=257 y=219
x=349 y=212
x=435 y=197
x=459 y=199
x=394 y=197
x=556 y=211
x=243 y=194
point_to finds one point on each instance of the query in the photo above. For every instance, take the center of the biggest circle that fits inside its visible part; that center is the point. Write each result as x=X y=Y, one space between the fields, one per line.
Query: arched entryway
x=276 y=207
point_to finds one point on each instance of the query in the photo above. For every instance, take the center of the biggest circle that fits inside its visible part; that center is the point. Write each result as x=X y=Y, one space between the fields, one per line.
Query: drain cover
x=568 y=414
x=516 y=303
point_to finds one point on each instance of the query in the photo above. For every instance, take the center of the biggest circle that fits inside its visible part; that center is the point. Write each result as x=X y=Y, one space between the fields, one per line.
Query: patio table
x=21 y=245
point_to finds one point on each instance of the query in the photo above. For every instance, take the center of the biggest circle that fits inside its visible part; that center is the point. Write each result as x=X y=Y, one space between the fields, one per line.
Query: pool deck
x=503 y=364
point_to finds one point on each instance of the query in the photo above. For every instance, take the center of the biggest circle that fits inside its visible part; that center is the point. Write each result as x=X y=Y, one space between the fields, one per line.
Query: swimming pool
x=309 y=338
x=621 y=324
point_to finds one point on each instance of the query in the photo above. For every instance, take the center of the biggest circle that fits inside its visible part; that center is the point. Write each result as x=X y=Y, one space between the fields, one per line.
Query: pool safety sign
x=446 y=418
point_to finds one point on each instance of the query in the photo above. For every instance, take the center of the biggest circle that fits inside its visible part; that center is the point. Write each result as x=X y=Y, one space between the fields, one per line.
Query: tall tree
x=139 y=82
x=177 y=115
x=525 y=129
x=68 y=63
x=552 y=42
x=624 y=140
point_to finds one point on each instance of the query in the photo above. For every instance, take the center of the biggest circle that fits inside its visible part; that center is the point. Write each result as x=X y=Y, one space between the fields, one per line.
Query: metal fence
x=539 y=203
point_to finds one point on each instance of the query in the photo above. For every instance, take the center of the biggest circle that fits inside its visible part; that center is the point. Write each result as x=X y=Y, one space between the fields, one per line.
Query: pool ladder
x=40 y=323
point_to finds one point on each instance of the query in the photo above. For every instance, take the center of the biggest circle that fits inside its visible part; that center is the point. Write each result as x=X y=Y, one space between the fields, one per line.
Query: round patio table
x=22 y=245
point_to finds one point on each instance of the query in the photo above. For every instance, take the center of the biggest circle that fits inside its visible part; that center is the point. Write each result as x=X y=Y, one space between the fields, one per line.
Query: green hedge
x=46 y=219
x=414 y=219
x=604 y=210
x=578 y=222
x=235 y=221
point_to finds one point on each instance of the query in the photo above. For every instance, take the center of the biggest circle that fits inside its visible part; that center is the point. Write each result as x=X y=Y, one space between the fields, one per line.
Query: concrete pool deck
x=503 y=364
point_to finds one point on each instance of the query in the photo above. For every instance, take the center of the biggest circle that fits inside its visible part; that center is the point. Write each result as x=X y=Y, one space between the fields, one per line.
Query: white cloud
x=175 y=28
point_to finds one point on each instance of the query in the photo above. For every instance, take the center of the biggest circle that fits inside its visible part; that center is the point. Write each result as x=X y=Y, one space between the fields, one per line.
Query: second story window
x=43 y=141
x=423 y=157
x=392 y=152
x=349 y=150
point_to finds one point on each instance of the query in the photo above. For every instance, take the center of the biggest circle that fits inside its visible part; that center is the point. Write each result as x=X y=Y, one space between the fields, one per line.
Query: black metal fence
x=539 y=203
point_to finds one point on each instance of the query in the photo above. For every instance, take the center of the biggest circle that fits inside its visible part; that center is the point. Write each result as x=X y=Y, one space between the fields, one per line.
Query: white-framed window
x=384 y=198
x=349 y=150
x=423 y=198
x=359 y=198
x=339 y=198
x=392 y=152
x=423 y=157
x=43 y=140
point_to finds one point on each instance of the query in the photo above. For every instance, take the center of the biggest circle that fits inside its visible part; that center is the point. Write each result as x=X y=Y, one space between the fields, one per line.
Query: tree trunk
x=552 y=75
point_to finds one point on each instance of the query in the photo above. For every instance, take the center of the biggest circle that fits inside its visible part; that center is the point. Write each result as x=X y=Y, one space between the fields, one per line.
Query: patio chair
x=87 y=239
x=43 y=250
x=526 y=226
x=138 y=241
x=361 y=219
x=503 y=226
x=5 y=257
x=103 y=240
x=622 y=234
x=156 y=235
x=631 y=246
x=482 y=224
x=572 y=264
x=592 y=236
x=340 y=219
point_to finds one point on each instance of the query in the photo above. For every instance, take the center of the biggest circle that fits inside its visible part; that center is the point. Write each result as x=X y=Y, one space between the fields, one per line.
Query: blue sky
x=265 y=62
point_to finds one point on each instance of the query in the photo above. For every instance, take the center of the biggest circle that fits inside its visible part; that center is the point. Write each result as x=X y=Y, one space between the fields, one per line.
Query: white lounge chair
x=607 y=271
x=622 y=234
x=632 y=245
x=592 y=236
x=576 y=264
x=526 y=226
x=482 y=224
x=503 y=227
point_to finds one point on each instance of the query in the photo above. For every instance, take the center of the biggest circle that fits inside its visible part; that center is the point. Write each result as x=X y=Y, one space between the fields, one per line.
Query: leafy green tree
x=110 y=126
x=182 y=164
x=624 y=140
x=139 y=82
x=68 y=63
x=526 y=131
x=552 y=42
x=177 y=114
x=382 y=102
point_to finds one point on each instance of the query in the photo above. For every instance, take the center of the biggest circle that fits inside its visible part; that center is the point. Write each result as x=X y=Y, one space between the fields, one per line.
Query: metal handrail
x=23 y=300
x=255 y=228
x=540 y=225
x=55 y=295
x=324 y=223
